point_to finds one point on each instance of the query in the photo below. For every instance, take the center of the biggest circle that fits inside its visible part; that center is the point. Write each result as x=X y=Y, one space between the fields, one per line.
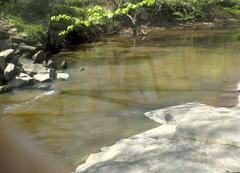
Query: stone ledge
x=192 y=138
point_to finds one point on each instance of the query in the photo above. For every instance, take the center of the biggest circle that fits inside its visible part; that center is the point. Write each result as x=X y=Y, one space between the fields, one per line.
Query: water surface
x=123 y=78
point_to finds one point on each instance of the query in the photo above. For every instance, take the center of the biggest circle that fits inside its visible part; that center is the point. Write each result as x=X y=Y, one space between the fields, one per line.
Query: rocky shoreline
x=23 y=65
x=192 y=137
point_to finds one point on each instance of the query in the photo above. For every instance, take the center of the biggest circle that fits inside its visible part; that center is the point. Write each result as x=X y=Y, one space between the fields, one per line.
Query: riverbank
x=191 y=138
x=60 y=24
x=23 y=65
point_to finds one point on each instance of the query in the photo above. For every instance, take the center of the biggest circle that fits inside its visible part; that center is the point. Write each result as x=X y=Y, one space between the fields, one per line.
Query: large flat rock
x=191 y=138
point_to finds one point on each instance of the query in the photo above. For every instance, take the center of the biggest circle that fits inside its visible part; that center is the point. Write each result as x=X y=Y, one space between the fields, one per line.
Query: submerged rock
x=21 y=80
x=192 y=138
x=5 y=88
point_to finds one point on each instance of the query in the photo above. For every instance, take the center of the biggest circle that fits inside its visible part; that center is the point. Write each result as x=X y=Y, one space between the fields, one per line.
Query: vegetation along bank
x=32 y=30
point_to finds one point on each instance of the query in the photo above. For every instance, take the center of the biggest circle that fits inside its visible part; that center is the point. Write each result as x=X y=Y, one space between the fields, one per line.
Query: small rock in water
x=5 y=88
x=64 y=64
x=83 y=69
x=63 y=76
x=42 y=77
x=10 y=71
x=45 y=76
x=39 y=57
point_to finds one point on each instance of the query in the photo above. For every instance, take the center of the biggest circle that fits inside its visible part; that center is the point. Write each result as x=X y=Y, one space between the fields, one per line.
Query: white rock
x=45 y=76
x=63 y=76
x=7 y=53
x=42 y=77
x=3 y=56
x=10 y=71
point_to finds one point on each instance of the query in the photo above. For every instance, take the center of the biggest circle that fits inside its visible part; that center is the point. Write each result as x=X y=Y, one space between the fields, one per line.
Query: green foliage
x=130 y=6
x=34 y=31
x=88 y=18
x=98 y=16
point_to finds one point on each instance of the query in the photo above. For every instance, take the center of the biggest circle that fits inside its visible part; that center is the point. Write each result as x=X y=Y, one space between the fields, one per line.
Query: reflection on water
x=124 y=79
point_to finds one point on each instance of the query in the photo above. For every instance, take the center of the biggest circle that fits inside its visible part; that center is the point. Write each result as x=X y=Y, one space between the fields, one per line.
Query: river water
x=114 y=81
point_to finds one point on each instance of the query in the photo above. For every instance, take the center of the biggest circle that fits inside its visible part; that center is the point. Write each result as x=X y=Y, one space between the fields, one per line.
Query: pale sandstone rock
x=192 y=138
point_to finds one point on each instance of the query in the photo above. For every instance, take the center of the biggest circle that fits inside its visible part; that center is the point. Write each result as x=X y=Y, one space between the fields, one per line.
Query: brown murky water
x=124 y=78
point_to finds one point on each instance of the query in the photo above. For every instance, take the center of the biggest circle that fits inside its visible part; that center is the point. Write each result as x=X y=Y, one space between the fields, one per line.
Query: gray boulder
x=10 y=71
x=30 y=68
x=5 y=88
x=21 y=80
x=39 y=57
x=191 y=138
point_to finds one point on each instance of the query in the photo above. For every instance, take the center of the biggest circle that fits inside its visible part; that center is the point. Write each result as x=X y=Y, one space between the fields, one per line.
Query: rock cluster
x=21 y=64
x=191 y=138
